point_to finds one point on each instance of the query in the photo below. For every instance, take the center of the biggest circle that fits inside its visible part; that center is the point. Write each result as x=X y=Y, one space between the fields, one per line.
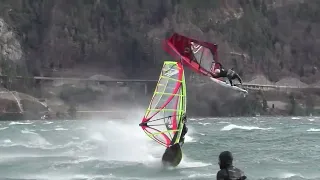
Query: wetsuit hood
x=225 y=159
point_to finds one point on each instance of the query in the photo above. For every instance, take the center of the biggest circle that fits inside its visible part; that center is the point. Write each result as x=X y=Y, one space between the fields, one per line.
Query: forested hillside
x=122 y=38
x=279 y=38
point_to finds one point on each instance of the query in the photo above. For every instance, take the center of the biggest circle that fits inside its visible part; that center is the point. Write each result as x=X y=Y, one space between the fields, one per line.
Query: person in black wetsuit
x=184 y=129
x=230 y=74
x=227 y=170
x=173 y=154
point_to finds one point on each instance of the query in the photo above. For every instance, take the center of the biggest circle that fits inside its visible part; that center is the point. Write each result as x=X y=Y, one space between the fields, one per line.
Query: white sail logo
x=195 y=47
x=171 y=72
x=168 y=123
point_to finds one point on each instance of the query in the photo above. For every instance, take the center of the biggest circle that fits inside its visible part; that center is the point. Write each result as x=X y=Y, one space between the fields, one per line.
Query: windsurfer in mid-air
x=173 y=154
x=221 y=72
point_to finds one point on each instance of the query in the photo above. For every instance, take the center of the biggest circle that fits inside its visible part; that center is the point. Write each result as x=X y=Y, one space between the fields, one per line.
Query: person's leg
x=239 y=79
x=230 y=82
x=183 y=133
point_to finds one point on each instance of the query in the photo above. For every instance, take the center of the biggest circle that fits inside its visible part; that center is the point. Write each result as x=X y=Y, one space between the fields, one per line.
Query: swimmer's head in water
x=225 y=159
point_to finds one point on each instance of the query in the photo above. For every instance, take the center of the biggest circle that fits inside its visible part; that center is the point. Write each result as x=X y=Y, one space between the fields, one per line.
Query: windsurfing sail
x=162 y=120
x=198 y=55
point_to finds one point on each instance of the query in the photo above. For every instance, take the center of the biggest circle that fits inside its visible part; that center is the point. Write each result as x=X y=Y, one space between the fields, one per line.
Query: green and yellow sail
x=162 y=120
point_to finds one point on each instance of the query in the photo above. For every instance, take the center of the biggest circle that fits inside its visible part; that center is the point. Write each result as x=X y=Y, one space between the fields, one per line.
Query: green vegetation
x=114 y=32
x=126 y=35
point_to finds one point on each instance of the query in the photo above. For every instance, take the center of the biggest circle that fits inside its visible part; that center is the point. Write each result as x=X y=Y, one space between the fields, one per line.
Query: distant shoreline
x=190 y=118
x=58 y=103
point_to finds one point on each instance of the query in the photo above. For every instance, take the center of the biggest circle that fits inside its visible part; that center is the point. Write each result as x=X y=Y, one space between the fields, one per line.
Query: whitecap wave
x=189 y=163
x=271 y=158
x=223 y=122
x=204 y=124
x=29 y=139
x=121 y=141
x=3 y=128
x=61 y=129
x=65 y=176
x=295 y=118
x=28 y=131
x=48 y=122
x=290 y=175
x=200 y=175
x=284 y=175
x=189 y=136
x=313 y=130
x=20 y=123
x=5 y=142
x=233 y=126
x=196 y=119
x=189 y=139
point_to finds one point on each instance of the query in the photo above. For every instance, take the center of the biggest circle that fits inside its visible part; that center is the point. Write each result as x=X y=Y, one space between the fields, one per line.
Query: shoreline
x=60 y=99
x=83 y=114
x=190 y=118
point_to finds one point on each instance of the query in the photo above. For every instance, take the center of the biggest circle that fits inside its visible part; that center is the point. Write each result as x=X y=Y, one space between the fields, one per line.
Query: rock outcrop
x=122 y=39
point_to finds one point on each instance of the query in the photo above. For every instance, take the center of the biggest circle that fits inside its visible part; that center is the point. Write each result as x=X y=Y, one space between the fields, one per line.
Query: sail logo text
x=195 y=47
x=168 y=122
x=171 y=72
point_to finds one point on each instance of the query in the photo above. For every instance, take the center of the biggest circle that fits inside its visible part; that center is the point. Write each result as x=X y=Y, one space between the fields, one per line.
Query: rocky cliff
x=122 y=38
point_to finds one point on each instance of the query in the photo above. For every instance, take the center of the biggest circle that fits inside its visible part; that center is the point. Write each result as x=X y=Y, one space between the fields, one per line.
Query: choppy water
x=265 y=148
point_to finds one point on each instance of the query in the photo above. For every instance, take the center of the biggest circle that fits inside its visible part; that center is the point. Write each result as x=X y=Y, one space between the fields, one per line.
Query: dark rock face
x=122 y=39
x=278 y=38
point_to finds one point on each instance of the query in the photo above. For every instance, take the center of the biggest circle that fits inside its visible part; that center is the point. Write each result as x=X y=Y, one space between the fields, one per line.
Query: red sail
x=198 y=55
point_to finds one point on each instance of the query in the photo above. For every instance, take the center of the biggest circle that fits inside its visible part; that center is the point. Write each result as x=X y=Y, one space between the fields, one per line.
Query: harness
x=228 y=176
x=230 y=73
x=184 y=119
